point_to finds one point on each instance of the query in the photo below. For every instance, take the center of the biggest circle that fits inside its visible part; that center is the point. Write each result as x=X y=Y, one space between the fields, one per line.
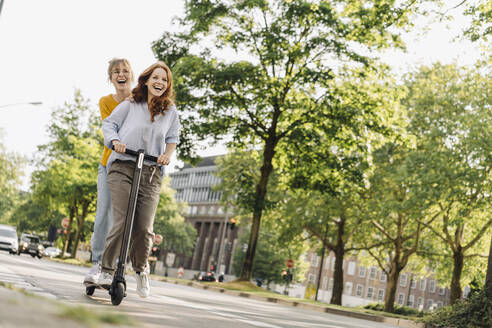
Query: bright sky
x=49 y=48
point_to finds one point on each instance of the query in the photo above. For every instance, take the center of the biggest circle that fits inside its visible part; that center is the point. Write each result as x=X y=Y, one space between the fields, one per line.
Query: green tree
x=239 y=175
x=272 y=254
x=329 y=169
x=11 y=171
x=289 y=51
x=66 y=178
x=451 y=116
x=33 y=216
x=178 y=236
x=393 y=208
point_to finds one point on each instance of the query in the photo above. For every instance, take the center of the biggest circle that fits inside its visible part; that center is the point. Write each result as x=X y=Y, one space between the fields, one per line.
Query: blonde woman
x=120 y=74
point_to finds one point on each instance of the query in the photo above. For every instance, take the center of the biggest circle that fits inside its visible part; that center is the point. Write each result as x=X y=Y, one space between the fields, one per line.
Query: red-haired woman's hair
x=158 y=105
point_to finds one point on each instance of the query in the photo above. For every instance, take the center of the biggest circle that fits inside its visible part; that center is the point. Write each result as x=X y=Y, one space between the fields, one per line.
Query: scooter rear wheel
x=90 y=290
x=118 y=293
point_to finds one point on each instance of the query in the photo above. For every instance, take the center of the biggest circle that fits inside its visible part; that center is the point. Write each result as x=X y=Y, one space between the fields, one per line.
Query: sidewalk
x=19 y=309
x=319 y=308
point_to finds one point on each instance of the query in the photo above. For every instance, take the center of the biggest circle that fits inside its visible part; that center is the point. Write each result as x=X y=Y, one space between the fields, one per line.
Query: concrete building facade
x=217 y=235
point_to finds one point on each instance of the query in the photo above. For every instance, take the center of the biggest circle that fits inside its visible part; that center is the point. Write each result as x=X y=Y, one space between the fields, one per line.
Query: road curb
x=404 y=323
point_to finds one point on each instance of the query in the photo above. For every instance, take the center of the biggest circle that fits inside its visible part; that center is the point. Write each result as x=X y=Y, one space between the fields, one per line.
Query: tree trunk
x=455 y=280
x=67 y=235
x=336 y=296
x=488 y=278
x=80 y=226
x=389 y=299
x=261 y=190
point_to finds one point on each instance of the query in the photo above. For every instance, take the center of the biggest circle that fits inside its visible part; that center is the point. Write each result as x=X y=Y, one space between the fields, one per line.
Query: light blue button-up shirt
x=130 y=124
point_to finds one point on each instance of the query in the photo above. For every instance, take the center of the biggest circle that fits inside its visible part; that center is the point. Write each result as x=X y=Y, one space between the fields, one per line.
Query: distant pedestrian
x=120 y=74
x=149 y=122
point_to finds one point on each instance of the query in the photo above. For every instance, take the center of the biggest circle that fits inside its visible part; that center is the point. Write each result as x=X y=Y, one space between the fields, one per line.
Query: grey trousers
x=119 y=181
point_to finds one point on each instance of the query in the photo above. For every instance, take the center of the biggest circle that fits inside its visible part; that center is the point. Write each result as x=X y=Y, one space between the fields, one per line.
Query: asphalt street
x=169 y=305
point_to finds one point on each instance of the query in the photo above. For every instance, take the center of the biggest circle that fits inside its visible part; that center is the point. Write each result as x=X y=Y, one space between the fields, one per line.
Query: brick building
x=364 y=285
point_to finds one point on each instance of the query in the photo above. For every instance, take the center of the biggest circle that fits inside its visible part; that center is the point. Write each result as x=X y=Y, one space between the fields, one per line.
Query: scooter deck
x=96 y=286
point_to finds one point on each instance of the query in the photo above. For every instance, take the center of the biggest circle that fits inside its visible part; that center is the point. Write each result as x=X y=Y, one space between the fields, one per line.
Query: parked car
x=8 y=239
x=52 y=252
x=31 y=244
x=207 y=276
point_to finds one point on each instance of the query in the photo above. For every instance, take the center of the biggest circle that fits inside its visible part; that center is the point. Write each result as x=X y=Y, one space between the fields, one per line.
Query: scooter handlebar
x=135 y=153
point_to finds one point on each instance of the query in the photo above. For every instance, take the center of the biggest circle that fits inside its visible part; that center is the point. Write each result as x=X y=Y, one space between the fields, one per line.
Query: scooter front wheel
x=117 y=293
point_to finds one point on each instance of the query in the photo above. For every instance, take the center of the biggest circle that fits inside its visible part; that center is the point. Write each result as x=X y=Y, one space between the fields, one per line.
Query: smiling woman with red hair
x=149 y=122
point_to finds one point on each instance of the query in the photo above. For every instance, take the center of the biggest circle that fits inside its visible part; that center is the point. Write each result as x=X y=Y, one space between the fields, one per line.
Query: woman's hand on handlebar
x=119 y=147
x=163 y=159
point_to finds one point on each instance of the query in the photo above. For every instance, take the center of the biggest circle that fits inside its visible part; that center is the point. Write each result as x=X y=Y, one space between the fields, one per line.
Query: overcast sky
x=49 y=48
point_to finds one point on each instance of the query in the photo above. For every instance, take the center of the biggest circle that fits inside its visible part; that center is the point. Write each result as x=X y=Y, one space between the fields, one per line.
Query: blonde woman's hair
x=115 y=62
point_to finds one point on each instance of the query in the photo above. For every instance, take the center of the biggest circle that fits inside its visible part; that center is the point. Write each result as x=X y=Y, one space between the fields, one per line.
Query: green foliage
x=66 y=178
x=403 y=310
x=177 y=236
x=11 y=166
x=481 y=14
x=472 y=312
x=451 y=118
x=32 y=216
x=287 y=53
x=239 y=172
x=269 y=262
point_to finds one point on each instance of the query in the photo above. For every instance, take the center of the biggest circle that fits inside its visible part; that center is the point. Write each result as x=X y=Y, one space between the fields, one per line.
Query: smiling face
x=121 y=77
x=157 y=83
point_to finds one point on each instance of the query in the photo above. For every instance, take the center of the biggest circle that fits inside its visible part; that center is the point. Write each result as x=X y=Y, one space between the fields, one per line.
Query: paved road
x=169 y=305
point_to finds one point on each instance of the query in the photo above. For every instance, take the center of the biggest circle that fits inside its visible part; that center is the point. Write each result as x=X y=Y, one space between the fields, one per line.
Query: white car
x=52 y=251
x=8 y=239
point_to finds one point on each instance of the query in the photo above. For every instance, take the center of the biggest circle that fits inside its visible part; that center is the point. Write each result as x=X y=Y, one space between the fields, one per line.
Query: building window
x=359 y=291
x=423 y=284
x=380 y=295
x=439 y=304
x=333 y=264
x=362 y=272
x=195 y=210
x=401 y=299
x=432 y=286
x=370 y=292
x=327 y=265
x=441 y=291
x=348 y=288
x=411 y=300
x=420 y=303
x=373 y=272
x=430 y=303
x=413 y=283
x=324 y=283
x=351 y=268
x=403 y=280
x=311 y=279
x=382 y=276
x=314 y=260
x=330 y=284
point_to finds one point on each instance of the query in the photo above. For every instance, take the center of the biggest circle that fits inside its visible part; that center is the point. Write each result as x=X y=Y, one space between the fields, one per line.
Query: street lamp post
x=221 y=243
x=321 y=264
x=34 y=103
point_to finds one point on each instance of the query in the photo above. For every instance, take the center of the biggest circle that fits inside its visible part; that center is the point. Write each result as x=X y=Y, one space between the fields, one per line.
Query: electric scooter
x=117 y=289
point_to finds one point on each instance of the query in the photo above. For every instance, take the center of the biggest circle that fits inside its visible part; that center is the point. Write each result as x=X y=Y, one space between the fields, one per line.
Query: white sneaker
x=105 y=279
x=93 y=275
x=143 y=285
